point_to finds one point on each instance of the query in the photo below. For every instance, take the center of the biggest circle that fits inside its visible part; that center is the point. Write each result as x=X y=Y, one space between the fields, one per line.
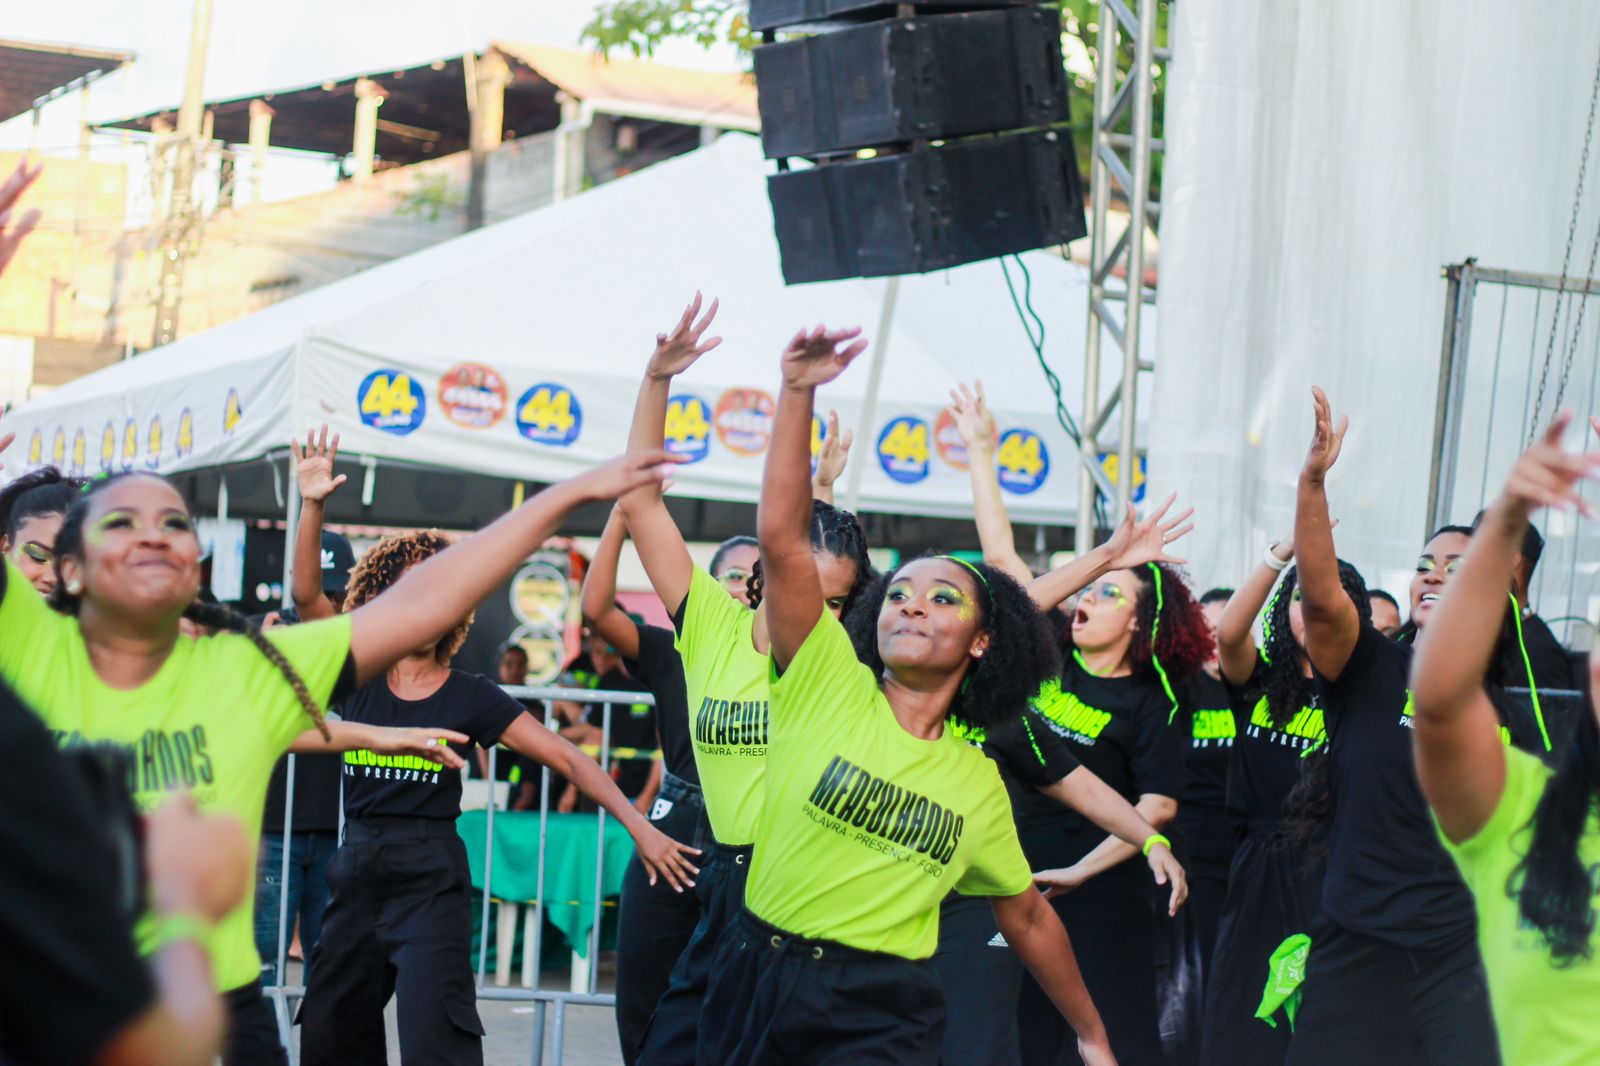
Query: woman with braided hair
x=212 y=716
x=1274 y=883
x=31 y=511
x=399 y=921
x=724 y=645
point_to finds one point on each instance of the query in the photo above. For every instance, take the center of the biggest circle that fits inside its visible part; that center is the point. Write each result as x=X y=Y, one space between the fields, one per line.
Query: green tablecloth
x=568 y=870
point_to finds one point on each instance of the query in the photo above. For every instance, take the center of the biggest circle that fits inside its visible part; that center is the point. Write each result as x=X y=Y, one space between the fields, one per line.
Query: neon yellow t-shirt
x=725 y=682
x=1545 y=1014
x=213 y=720
x=866 y=828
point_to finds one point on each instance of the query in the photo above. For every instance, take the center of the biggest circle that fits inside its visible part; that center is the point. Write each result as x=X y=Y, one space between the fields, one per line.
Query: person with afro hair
x=399 y=916
x=875 y=808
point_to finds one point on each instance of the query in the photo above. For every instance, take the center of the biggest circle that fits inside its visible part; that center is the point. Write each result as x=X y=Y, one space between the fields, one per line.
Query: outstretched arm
x=432 y=596
x=662 y=856
x=975 y=423
x=314 y=469
x=1086 y=793
x=426 y=742
x=793 y=596
x=831 y=460
x=655 y=535
x=1236 y=642
x=1156 y=810
x=1034 y=931
x=1332 y=624
x=1134 y=544
x=1461 y=762
x=600 y=590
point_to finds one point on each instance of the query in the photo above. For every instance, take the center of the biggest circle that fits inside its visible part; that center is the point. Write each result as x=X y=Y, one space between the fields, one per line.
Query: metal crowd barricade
x=284 y=997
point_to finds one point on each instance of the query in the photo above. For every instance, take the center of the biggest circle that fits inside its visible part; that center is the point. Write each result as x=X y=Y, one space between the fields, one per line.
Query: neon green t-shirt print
x=213 y=721
x=1065 y=709
x=865 y=827
x=725 y=682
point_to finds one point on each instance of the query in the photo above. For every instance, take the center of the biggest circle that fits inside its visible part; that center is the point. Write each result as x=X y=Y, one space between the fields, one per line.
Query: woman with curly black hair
x=399 y=920
x=1273 y=885
x=874 y=808
x=724 y=645
x=1524 y=838
x=32 y=508
x=1394 y=975
x=212 y=716
x=1136 y=635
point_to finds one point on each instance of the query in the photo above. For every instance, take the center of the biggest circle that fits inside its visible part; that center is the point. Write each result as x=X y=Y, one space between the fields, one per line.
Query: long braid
x=216 y=616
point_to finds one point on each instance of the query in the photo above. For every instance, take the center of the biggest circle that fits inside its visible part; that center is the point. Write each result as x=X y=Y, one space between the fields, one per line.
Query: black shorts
x=675 y=1028
x=1374 y=1003
x=253 y=1038
x=782 y=1000
x=981 y=977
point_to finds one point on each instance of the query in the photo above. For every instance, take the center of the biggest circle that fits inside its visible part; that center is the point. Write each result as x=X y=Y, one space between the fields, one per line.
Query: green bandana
x=1286 y=972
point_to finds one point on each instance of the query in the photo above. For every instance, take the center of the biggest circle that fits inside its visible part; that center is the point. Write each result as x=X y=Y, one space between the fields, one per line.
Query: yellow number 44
x=686 y=420
x=549 y=411
x=1020 y=452
x=906 y=443
x=388 y=398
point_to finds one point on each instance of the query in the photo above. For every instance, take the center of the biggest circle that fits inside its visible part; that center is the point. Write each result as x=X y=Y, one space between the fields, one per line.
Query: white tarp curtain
x=1325 y=159
x=553 y=314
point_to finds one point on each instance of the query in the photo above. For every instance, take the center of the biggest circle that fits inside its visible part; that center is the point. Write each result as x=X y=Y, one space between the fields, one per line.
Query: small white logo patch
x=998 y=941
x=660 y=809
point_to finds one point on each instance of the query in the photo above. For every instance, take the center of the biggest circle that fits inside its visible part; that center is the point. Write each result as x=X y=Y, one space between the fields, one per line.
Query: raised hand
x=974 y=421
x=1549 y=476
x=1326 y=441
x=677 y=351
x=314 y=465
x=664 y=857
x=835 y=452
x=625 y=473
x=12 y=228
x=819 y=356
x=1136 y=543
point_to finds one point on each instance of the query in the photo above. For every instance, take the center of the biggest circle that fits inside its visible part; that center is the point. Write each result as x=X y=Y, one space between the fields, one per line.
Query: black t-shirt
x=1117 y=727
x=633 y=729
x=1388 y=876
x=660 y=669
x=70 y=978
x=1203 y=704
x=410 y=786
x=1552 y=664
x=1268 y=759
x=1031 y=756
x=316 y=795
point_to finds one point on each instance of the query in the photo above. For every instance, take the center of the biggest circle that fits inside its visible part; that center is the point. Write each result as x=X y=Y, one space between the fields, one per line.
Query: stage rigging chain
x=1561 y=285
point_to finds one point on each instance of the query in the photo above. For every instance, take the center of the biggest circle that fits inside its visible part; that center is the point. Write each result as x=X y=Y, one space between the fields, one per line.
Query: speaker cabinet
x=812 y=14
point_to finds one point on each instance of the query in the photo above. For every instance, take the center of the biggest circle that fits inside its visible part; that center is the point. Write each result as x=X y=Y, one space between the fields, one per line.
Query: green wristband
x=1155 y=838
x=171 y=928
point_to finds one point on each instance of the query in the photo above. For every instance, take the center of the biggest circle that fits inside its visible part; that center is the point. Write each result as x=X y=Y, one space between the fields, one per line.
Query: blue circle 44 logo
x=1023 y=461
x=391 y=400
x=549 y=413
x=903 y=449
x=688 y=427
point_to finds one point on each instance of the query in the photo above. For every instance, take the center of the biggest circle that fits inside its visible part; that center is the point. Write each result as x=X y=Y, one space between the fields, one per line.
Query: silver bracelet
x=1270 y=560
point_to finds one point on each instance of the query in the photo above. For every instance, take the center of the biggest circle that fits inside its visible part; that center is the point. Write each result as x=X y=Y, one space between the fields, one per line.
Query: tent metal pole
x=869 y=403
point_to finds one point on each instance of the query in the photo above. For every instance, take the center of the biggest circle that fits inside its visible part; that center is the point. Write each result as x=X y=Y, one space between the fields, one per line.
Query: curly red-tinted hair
x=1183 y=640
x=382 y=566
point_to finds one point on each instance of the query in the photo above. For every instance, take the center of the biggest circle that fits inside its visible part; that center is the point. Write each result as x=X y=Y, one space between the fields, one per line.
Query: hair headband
x=975 y=571
x=1155 y=660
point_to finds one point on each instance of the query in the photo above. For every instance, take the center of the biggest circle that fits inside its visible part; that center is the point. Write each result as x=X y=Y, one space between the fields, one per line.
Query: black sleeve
x=70 y=979
x=1157 y=754
x=345 y=683
x=1358 y=683
x=1029 y=750
x=658 y=656
x=1243 y=698
x=488 y=713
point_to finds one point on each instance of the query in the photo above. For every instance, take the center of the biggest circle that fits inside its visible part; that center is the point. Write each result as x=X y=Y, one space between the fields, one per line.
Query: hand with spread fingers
x=974 y=420
x=677 y=351
x=1547 y=475
x=664 y=857
x=314 y=465
x=815 y=357
x=835 y=453
x=1137 y=542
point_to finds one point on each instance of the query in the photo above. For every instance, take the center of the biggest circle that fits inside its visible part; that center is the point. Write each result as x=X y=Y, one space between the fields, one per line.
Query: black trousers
x=1113 y=935
x=1272 y=894
x=1205 y=840
x=1370 y=1002
x=399 y=923
x=679 y=1022
x=981 y=977
x=654 y=922
x=252 y=1029
x=782 y=1000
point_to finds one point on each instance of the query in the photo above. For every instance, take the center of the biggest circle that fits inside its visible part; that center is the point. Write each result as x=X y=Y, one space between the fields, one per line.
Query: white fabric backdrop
x=1325 y=159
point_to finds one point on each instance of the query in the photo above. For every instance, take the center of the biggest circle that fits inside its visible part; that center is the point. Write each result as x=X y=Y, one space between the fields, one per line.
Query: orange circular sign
x=743 y=419
x=947 y=440
x=473 y=396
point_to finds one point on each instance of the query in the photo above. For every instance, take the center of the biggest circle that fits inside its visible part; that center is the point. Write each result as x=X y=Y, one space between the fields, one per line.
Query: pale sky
x=260 y=45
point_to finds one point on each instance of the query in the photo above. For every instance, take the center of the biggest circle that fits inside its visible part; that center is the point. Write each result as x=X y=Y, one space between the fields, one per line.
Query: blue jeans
x=308 y=893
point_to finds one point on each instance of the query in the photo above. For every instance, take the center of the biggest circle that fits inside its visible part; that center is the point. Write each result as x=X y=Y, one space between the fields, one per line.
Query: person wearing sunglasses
x=1394 y=974
x=31 y=511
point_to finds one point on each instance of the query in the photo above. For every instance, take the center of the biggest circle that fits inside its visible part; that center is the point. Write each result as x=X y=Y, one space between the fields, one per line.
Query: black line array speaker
x=939 y=130
x=912 y=78
x=920 y=211
x=787 y=14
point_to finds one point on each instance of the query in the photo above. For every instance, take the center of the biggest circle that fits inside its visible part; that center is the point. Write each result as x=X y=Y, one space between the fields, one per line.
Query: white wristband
x=1270 y=560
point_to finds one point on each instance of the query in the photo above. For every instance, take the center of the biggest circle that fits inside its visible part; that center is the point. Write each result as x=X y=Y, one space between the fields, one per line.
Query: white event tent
x=514 y=352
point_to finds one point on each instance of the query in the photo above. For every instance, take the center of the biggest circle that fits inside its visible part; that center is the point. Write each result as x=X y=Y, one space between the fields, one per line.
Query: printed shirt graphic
x=725 y=680
x=1203 y=707
x=409 y=786
x=866 y=828
x=1388 y=877
x=1544 y=1014
x=1118 y=728
x=1268 y=759
x=213 y=720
